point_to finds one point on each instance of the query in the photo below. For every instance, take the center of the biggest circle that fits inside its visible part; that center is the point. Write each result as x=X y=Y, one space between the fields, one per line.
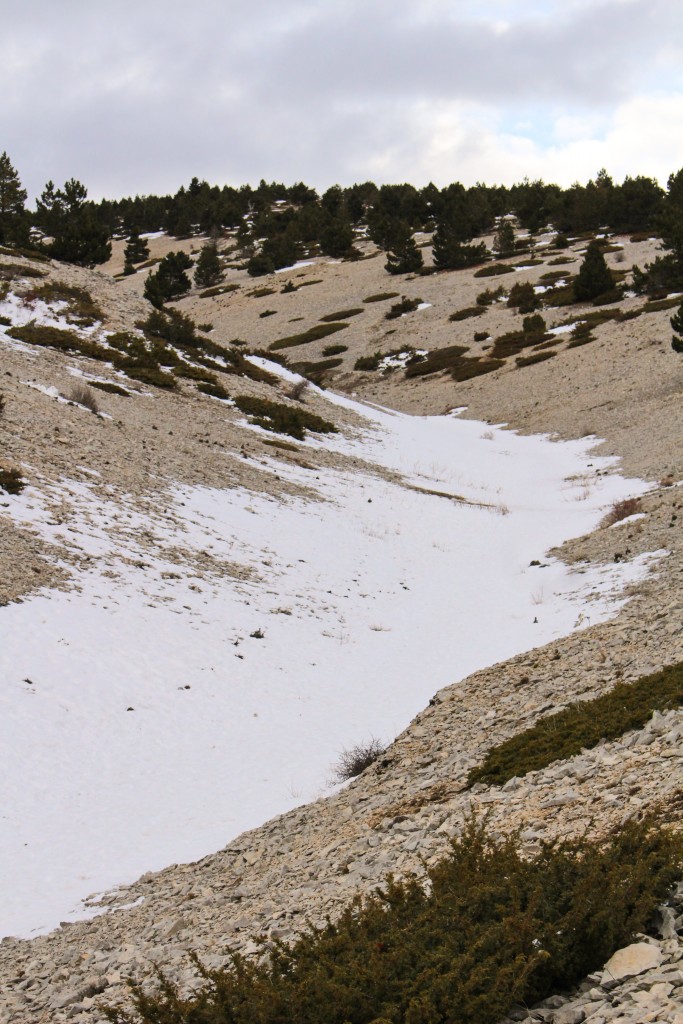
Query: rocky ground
x=624 y=387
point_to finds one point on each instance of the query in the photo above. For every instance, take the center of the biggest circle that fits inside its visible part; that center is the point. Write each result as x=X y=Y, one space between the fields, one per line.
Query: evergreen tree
x=504 y=239
x=77 y=234
x=170 y=280
x=336 y=238
x=13 y=219
x=208 y=271
x=594 y=277
x=403 y=256
x=677 y=324
x=136 y=251
x=448 y=250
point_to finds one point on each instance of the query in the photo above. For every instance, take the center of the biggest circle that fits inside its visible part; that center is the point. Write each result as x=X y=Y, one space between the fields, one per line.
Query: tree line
x=276 y=224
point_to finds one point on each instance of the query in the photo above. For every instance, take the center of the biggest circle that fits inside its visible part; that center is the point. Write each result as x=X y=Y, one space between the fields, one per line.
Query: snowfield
x=221 y=647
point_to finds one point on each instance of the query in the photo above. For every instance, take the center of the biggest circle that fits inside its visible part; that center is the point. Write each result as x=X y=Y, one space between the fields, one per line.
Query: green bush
x=283 y=419
x=213 y=388
x=490 y=930
x=467 y=313
x=523 y=297
x=54 y=337
x=537 y=357
x=343 y=314
x=306 y=337
x=565 y=734
x=335 y=350
x=481 y=335
x=490 y=295
x=401 y=308
x=452 y=358
x=381 y=296
x=493 y=270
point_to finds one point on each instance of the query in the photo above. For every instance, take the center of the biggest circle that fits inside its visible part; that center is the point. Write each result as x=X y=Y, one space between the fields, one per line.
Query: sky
x=138 y=96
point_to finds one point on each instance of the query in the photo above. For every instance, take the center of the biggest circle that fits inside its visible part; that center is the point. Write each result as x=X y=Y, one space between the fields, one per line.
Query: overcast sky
x=137 y=96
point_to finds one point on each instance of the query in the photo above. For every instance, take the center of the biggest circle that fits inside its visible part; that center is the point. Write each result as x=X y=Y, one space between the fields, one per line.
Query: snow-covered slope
x=221 y=646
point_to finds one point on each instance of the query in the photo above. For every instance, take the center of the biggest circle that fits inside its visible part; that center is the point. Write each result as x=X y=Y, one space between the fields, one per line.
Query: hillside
x=113 y=494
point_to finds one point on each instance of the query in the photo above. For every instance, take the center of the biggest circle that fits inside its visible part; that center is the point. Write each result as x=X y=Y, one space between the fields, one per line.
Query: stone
x=631 y=961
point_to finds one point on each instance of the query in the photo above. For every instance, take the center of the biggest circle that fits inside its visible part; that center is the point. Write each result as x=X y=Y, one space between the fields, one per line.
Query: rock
x=569 y=1015
x=632 y=960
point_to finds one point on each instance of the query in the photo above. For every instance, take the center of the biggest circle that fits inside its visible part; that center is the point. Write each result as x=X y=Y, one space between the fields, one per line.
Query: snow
x=296 y=266
x=145 y=721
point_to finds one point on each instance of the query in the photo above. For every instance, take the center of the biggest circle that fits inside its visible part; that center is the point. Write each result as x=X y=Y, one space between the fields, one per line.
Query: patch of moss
x=566 y=733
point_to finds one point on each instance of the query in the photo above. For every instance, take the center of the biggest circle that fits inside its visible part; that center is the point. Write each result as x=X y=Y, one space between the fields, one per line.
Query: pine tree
x=209 y=271
x=504 y=239
x=77 y=234
x=170 y=280
x=403 y=256
x=136 y=251
x=13 y=219
x=336 y=239
x=677 y=324
x=448 y=251
x=594 y=277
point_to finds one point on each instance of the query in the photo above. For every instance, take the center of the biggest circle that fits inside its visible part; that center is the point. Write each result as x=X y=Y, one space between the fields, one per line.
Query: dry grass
x=622 y=510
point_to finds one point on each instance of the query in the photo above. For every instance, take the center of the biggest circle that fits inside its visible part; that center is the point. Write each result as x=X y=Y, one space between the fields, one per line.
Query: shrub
x=267 y=312
x=11 y=480
x=493 y=270
x=83 y=310
x=512 y=342
x=490 y=929
x=381 y=296
x=564 y=734
x=306 y=337
x=2 y=403
x=55 y=337
x=465 y=314
x=283 y=419
x=343 y=314
x=298 y=390
x=355 y=760
x=81 y=394
x=523 y=297
x=222 y=289
x=369 y=362
x=561 y=261
x=537 y=357
x=490 y=295
x=533 y=324
x=110 y=388
x=402 y=307
x=213 y=388
x=288 y=287
x=622 y=510
x=335 y=350
x=453 y=359
x=261 y=293
x=317 y=369
x=15 y=271
x=481 y=335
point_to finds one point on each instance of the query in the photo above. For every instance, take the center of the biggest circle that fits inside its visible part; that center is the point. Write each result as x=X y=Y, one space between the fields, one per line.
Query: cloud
x=138 y=97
